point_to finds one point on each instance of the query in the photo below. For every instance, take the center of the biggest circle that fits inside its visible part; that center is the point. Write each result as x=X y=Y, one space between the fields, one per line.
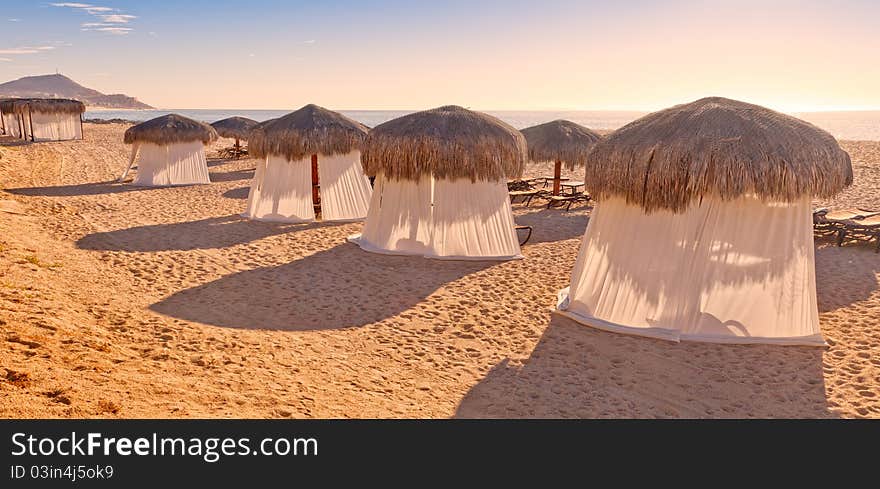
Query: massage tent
x=236 y=128
x=562 y=143
x=310 y=163
x=703 y=230
x=171 y=150
x=440 y=188
x=49 y=119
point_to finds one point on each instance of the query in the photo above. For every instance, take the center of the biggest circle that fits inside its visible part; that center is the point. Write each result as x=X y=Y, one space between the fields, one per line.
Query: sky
x=803 y=55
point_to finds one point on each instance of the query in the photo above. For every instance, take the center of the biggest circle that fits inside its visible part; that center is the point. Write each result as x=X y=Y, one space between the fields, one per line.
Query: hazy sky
x=627 y=55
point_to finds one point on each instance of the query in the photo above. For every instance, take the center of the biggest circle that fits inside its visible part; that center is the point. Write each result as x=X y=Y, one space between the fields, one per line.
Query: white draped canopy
x=437 y=218
x=53 y=126
x=739 y=271
x=282 y=190
x=170 y=164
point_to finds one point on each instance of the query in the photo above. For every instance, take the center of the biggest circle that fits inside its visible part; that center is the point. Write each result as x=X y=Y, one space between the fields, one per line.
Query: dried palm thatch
x=449 y=142
x=169 y=129
x=716 y=146
x=48 y=106
x=307 y=131
x=7 y=104
x=234 y=127
x=562 y=141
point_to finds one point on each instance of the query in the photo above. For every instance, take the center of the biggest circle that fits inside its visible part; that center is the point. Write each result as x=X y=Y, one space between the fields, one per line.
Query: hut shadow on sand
x=343 y=287
x=577 y=371
x=231 y=176
x=237 y=193
x=215 y=232
x=96 y=188
x=551 y=225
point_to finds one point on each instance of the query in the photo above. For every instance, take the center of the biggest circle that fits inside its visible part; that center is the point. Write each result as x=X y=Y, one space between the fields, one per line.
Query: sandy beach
x=118 y=301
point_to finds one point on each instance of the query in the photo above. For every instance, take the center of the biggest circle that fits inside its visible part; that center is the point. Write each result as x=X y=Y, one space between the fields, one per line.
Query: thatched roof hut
x=234 y=127
x=307 y=131
x=716 y=146
x=169 y=129
x=562 y=141
x=47 y=106
x=449 y=142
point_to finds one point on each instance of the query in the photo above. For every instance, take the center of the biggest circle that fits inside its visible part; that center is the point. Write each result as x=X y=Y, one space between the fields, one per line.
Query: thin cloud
x=27 y=50
x=310 y=41
x=6 y=60
x=117 y=18
x=14 y=20
x=120 y=31
x=109 y=18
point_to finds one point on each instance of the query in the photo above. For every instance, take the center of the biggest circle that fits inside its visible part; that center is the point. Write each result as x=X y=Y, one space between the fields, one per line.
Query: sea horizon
x=860 y=125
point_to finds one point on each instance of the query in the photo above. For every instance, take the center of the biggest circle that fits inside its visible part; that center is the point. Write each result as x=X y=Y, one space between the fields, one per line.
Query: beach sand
x=118 y=301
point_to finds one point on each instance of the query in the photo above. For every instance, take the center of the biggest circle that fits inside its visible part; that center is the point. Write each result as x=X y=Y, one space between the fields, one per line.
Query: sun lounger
x=527 y=196
x=529 y=235
x=866 y=229
x=566 y=200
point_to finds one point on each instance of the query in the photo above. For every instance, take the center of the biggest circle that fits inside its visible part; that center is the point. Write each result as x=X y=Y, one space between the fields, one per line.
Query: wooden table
x=573 y=186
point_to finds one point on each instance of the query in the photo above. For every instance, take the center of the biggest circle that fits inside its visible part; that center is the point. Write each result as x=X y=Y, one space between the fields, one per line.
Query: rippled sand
x=125 y=302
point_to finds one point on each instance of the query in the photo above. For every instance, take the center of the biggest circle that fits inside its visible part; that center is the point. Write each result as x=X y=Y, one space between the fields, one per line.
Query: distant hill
x=59 y=86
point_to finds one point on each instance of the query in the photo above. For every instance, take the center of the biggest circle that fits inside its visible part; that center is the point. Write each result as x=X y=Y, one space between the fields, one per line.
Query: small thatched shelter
x=440 y=188
x=47 y=119
x=560 y=142
x=172 y=151
x=703 y=230
x=311 y=165
x=237 y=128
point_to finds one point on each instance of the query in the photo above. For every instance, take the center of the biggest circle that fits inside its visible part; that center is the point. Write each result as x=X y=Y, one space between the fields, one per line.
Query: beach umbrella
x=703 y=227
x=447 y=142
x=171 y=136
x=236 y=128
x=561 y=142
x=440 y=188
x=308 y=132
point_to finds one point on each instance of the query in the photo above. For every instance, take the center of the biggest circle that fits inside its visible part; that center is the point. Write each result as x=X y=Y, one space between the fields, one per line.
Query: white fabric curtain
x=457 y=219
x=12 y=121
x=345 y=190
x=399 y=219
x=281 y=191
x=172 y=164
x=738 y=271
x=55 y=127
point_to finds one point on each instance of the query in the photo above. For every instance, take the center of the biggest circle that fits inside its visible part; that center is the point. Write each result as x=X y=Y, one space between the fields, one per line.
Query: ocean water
x=856 y=125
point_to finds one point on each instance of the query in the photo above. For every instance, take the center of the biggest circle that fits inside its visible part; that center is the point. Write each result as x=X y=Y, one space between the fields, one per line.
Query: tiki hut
x=48 y=119
x=236 y=128
x=9 y=121
x=440 y=188
x=310 y=166
x=171 y=149
x=561 y=143
x=703 y=229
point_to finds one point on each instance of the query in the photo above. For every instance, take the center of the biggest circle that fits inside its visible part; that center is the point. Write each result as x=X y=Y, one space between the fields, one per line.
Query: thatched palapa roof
x=716 y=146
x=562 y=141
x=449 y=142
x=169 y=129
x=7 y=104
x=47 y=106
x=307 y=131
x=234 y=127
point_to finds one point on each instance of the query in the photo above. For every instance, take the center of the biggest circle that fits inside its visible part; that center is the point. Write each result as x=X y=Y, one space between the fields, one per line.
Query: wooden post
x=237 y=149
x=557 y=177
x=31 y=119
x=316 y=184
x=82 y=133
